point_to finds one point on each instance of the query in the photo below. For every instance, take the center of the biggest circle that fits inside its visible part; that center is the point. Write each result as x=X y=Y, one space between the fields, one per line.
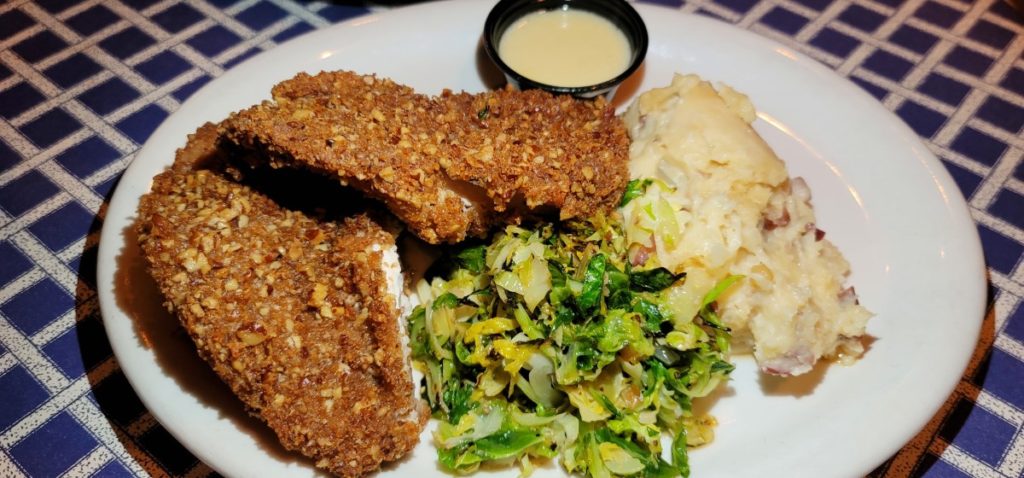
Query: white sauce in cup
x=565 y=48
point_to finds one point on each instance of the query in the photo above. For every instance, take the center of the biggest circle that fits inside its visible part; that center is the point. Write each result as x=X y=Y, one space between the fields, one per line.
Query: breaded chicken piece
x=297 y=315
x=448 y=166
x=200 y=151
x=549 y=151
x=373 y=134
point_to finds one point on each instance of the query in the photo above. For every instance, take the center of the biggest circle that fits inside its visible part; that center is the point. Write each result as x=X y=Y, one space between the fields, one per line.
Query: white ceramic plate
x=883 y=198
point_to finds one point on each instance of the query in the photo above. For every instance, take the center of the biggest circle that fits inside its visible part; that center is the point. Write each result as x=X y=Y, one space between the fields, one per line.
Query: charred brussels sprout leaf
x=446 y=301
x=634 y=189
x=653 y=280
x=593 y=282
x=457 y=399
x=472 y=258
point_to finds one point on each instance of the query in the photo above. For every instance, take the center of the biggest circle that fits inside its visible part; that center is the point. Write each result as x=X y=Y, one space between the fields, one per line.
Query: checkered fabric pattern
x=83 y=84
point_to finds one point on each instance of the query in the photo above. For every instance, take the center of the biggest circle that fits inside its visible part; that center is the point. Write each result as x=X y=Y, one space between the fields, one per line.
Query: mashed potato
x=728 y=206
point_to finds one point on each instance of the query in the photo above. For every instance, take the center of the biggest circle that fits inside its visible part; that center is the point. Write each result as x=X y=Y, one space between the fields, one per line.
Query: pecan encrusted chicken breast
x=300 y=316
x=449 y=166
x=375 y=135
x=533 y=151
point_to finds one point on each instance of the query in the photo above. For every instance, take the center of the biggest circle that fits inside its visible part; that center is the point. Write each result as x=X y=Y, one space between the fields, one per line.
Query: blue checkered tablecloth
x=83 y=84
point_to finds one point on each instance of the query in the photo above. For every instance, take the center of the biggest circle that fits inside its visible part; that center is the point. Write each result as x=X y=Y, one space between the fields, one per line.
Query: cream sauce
x=565 y=48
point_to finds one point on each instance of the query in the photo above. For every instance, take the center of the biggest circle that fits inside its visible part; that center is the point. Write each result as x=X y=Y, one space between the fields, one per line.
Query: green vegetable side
x=548 y=343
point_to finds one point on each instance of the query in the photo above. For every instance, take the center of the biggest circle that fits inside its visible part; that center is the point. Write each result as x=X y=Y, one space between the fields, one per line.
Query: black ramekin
x=619 y=12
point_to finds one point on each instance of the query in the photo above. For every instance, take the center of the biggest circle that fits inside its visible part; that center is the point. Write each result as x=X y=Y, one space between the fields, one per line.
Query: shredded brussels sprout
x=547 y=342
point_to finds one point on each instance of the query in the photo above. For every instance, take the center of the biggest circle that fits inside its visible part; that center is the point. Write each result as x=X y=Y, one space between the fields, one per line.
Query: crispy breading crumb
x=292 y=312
